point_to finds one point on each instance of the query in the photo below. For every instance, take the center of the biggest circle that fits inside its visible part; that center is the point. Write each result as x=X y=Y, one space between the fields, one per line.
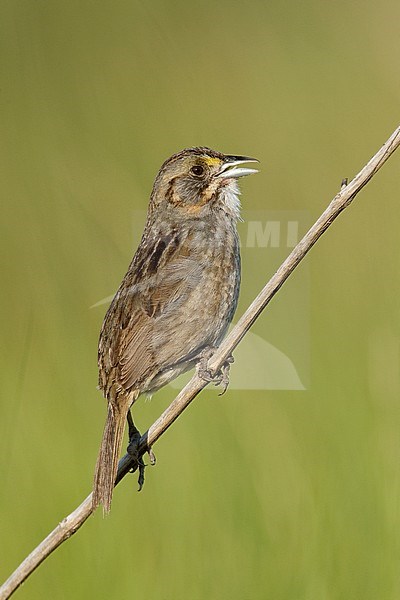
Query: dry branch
x=73 y=522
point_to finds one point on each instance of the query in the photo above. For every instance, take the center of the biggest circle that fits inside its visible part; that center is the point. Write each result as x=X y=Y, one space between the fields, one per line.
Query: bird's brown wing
x=139 y=322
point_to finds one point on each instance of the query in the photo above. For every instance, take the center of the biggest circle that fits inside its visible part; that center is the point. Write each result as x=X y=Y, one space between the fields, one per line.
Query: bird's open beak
x=231 y=169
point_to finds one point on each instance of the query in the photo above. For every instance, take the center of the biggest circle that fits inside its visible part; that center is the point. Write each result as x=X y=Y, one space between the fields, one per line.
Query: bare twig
x=73 y=522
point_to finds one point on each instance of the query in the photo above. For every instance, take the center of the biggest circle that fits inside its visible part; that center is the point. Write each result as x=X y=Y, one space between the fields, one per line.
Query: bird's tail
x=107 y=460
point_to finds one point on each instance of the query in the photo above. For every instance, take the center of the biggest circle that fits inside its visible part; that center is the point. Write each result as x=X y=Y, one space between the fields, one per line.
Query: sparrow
x=178 y=296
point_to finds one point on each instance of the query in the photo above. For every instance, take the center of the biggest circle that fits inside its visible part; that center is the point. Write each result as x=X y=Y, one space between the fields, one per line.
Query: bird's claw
x=225 y=369
x=152 y=457
x=133 y=451
x=141 y=467
x=219 y=378
x=139 y=464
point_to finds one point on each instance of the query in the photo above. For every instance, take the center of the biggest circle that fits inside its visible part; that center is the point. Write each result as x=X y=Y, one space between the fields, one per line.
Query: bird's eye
x=197 y=170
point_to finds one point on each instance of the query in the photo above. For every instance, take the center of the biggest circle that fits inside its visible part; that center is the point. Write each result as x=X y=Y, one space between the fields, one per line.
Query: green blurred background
x=263 y=494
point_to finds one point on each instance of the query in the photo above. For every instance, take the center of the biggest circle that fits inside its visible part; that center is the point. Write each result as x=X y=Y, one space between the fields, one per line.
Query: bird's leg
x=134 y=436
x=221 y=377
x=133 y=449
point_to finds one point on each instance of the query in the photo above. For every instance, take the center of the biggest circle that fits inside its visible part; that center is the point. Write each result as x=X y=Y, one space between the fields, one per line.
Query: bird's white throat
x=229 y=195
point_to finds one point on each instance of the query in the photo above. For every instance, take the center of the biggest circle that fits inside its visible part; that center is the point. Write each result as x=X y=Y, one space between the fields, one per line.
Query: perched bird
x=178 y=297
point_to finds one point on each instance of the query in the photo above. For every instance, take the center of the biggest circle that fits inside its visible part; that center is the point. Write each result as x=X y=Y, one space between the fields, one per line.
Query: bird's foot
x=133 y=451
x=219 y=378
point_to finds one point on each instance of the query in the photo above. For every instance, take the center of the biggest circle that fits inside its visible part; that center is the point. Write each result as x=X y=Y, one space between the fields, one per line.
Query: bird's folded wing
x=143 y=339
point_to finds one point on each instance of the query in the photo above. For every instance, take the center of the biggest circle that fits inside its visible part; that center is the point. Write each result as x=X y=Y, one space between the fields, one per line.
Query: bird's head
x=197 y=179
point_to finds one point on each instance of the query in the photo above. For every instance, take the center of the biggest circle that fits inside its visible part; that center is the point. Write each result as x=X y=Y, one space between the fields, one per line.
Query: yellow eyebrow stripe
x=212 y=161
